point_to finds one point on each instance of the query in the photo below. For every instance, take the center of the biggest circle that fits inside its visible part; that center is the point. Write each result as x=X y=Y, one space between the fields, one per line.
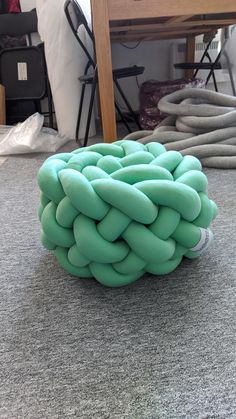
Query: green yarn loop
x=116 y=211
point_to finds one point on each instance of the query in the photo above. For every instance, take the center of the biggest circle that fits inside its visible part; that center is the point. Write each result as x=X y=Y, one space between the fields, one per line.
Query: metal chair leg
x=127 y=103
x=212 y=74
x=214 y=81
x=122 y=117
x=50 y=110
x=80 y=112
x=90 y=110
x=37 y=105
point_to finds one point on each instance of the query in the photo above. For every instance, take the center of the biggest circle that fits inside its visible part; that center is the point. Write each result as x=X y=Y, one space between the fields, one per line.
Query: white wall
x=153 y=55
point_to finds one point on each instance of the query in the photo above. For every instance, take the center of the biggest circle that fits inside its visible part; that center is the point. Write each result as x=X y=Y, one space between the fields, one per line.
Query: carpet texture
x=160 y=348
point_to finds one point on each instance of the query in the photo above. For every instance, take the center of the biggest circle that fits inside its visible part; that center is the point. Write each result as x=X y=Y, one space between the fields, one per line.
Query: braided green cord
x=116 y=211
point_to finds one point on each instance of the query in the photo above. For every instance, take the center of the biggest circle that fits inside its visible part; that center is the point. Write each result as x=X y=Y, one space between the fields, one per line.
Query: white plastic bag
x=29 y=137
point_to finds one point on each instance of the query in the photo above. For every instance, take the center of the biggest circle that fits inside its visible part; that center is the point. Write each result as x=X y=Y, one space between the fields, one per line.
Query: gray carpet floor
x=160 y=348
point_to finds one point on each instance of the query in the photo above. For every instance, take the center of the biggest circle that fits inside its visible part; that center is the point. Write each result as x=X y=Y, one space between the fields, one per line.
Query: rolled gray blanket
x=166 y=137
x=220 y=162
x=171 y=104
x=231 y=141
x=207 y=138
x=165 y=128
x=201 y=123
x=211 y=122
x=188 y=129
x=169 y=120
x=210 y=150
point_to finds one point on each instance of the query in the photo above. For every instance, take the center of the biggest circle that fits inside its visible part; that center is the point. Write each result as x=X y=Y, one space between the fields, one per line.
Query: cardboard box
x=2 y=106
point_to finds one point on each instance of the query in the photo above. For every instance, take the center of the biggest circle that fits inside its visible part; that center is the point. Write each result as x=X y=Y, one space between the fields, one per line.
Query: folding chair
x=210 y=65
x=23 y=70
x=76 y=19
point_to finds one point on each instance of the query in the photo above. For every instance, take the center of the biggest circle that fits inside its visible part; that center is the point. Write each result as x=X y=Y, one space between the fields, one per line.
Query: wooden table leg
x=104 y=64
x=190 y=55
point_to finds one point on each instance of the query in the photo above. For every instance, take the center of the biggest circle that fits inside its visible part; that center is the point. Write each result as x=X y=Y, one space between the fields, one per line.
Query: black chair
x=23 y=70
x=210 y=66
x=76 y=19
x=18 y=24
x=3 y=6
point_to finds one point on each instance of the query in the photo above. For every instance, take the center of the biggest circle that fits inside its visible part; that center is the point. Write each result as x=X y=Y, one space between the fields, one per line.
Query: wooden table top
x=142 y=9
x=168 y=28
x=162 y=19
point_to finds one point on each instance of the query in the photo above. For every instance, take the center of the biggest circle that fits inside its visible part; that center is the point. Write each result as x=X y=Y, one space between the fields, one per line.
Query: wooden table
x=133 y=20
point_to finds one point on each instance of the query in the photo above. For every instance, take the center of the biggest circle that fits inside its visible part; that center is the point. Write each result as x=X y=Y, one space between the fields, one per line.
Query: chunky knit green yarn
x=116 y=211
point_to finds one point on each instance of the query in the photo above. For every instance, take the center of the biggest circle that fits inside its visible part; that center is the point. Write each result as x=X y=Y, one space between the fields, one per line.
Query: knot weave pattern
x=116 y=211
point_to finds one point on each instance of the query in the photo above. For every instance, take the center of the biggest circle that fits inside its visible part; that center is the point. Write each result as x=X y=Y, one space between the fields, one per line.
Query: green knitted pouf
x=116 y=211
